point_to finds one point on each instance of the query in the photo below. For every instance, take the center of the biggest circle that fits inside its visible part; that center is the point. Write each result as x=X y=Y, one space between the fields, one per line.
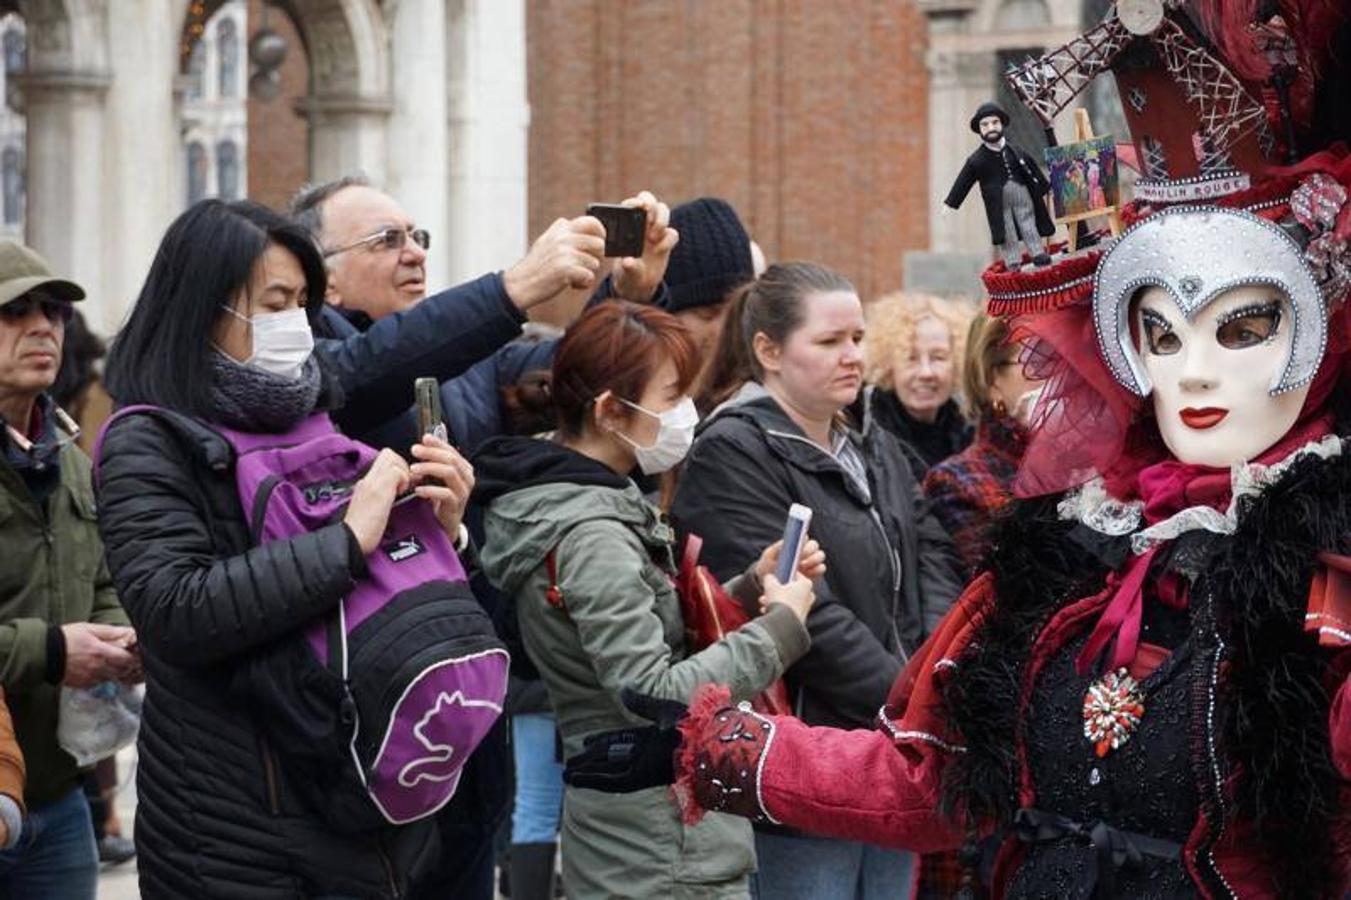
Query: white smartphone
x=794 y=536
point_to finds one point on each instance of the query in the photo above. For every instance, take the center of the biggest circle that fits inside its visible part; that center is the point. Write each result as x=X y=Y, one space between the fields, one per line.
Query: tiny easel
x=1083 y=131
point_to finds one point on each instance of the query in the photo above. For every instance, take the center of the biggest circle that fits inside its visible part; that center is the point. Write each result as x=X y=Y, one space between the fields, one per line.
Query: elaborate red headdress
x=1218 y=96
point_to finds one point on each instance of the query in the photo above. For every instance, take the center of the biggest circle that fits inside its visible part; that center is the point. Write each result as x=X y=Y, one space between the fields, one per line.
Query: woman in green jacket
x=589 y=562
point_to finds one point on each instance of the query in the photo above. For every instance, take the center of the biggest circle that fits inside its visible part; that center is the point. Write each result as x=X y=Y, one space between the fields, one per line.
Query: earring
x=1000 y=408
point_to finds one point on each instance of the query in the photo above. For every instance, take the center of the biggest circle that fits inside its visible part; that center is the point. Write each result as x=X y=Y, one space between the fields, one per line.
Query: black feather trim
x=1276 y=693
x=1038 y=567
x=1274 y=696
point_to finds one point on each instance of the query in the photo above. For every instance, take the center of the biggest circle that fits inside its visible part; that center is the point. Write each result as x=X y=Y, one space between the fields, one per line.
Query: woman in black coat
x=221 y=335
x=892 y=574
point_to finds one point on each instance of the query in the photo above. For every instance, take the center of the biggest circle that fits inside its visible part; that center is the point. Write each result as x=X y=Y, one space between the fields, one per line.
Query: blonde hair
x=986 y=346
x=892 y=320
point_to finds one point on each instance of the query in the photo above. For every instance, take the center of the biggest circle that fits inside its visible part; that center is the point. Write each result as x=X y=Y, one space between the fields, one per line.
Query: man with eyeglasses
x=60 y=622
x=376 y=258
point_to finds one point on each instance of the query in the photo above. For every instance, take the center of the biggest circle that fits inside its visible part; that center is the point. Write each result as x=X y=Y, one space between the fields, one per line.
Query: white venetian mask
x=1212 y=374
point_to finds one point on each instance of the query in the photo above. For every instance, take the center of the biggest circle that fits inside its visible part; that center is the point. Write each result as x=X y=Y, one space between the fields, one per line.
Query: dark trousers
x=465 y=868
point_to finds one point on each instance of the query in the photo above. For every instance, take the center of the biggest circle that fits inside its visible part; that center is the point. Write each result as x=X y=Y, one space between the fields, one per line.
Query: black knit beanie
x=713 y=256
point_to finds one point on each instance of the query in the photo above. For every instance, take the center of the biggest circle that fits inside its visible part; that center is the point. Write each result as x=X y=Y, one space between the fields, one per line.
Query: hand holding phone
x=794 y=537
x=427 y=392
x=625 y=227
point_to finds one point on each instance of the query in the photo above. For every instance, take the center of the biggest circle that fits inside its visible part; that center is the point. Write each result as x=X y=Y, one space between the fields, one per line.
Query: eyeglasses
x=54 y=310
x=387 y=239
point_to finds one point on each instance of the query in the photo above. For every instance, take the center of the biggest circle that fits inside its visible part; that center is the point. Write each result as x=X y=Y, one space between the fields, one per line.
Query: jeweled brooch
x=1113 y=708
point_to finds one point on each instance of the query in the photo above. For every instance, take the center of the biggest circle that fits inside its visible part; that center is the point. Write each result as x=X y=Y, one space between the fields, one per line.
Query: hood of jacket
x=786 y=440
x=535 y=491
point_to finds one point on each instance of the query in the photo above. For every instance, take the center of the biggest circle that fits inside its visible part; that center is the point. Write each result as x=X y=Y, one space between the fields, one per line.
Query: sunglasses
x=387 y=239
x=21 y=307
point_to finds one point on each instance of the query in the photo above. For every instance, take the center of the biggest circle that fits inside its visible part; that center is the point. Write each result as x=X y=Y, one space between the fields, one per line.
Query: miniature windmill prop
x=1196 y=128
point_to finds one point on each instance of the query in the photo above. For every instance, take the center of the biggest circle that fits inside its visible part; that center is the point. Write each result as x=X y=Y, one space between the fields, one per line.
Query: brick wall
x=279 y=156
x=809 y=117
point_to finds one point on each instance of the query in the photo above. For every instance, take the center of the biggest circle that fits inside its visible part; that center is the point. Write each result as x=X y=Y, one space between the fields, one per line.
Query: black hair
x=80 y=352
x=162 y=355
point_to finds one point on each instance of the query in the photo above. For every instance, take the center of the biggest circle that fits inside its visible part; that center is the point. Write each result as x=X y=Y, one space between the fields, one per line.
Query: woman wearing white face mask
x=589 y=562
x=220 y=338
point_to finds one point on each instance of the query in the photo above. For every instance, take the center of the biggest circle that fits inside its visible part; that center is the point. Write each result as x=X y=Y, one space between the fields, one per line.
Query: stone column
x=347 y=134
x=418 y=142
x=144 y=176
x=66 y=189
x=488 y=119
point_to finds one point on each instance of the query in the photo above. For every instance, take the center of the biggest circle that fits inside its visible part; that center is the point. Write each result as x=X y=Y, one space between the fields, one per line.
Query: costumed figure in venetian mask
x=1012 y=187
x=1144 y=692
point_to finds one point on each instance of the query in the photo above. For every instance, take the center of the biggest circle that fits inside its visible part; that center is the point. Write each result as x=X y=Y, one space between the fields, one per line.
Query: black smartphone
x=624 y=227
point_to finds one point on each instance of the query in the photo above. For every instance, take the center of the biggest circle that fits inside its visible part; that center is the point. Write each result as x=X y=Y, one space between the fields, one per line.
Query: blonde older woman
x=914 y=346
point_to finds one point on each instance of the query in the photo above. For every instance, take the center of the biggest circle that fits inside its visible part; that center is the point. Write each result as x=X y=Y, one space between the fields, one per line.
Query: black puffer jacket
x=891 y=570
x=216 y=818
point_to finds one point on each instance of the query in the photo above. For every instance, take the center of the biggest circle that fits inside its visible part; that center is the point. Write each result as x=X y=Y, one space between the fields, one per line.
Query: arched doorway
x=317 y=112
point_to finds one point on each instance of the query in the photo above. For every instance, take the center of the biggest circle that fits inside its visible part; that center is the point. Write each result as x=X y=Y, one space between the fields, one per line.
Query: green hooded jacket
x=619 y=625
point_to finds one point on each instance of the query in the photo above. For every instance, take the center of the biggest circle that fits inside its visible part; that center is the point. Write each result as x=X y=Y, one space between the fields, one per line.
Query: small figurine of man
x=1012 y=186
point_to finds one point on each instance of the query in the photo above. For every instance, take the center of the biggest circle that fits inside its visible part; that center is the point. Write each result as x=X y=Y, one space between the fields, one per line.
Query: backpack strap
x=122 y=413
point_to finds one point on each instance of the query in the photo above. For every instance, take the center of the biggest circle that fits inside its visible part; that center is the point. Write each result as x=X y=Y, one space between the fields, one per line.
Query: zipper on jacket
x=269 y=775
x=389 y=870
x=893 y=554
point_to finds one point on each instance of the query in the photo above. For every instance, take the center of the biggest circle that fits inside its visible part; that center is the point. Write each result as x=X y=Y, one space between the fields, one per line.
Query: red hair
x=617 y=346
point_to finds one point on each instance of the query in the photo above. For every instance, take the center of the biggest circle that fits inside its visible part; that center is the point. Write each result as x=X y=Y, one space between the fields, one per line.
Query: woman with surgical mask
x=220 y=338
x=590 y=564
x=796 y=339
x=967 y=490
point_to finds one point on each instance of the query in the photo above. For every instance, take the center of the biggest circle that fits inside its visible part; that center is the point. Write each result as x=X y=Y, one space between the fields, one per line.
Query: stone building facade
x=834 y=128
x=13 y=127
x=427 y=97
x=215 y=123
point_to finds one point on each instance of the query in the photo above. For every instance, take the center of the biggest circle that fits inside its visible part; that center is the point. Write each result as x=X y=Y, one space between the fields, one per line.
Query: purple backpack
x=372 y=712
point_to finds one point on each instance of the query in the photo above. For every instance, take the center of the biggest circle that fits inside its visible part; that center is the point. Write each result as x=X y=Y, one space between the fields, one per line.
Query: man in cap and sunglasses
x=60 y=622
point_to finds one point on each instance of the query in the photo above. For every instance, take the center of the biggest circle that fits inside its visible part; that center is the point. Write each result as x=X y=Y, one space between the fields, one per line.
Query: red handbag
x=710 y=614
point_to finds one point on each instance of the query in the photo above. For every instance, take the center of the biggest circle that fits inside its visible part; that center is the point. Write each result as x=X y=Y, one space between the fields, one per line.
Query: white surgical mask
x=674 y=437
x=282 y=341
x=1027 y=405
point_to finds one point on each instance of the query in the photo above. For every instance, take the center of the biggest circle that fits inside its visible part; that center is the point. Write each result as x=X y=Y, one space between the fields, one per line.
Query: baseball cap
x=23 y=270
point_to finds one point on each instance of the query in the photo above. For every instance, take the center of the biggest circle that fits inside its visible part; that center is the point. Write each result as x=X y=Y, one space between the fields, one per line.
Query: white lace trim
x=1091 y=505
